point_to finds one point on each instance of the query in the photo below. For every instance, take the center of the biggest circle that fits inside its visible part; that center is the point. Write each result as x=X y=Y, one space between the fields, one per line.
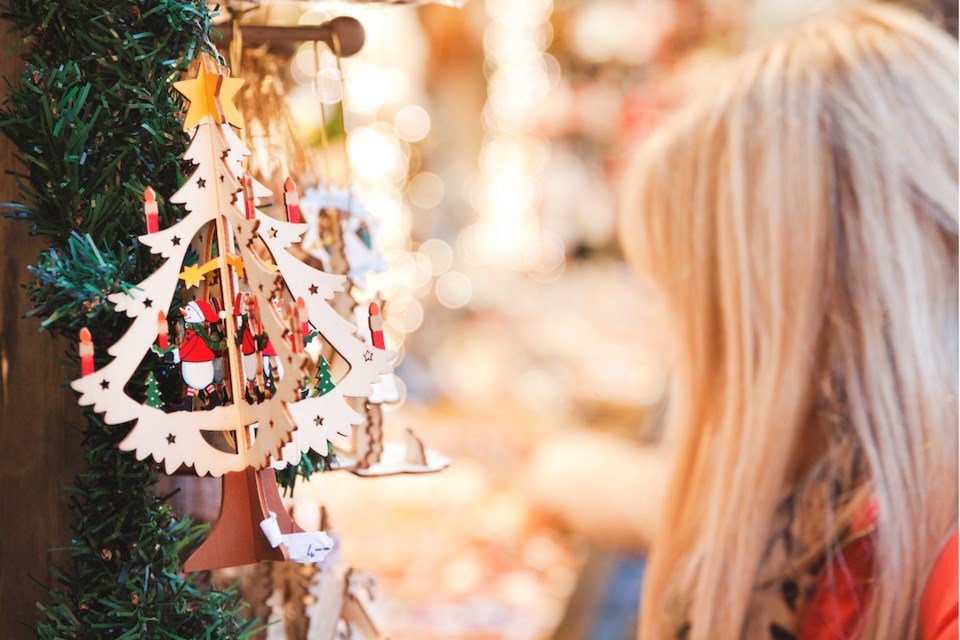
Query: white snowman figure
x=195 y=353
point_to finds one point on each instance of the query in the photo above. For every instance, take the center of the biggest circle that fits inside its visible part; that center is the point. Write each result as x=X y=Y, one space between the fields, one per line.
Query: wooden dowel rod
x=349 y=32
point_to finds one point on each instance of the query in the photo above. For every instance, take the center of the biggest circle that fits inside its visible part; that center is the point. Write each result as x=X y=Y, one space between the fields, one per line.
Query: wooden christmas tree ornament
x=238 y=345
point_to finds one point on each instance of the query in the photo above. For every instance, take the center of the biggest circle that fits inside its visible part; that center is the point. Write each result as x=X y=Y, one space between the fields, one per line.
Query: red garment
x=834 y=612
x=194 y=349
x=269 y=350
x=938 y=608
x=248 y=346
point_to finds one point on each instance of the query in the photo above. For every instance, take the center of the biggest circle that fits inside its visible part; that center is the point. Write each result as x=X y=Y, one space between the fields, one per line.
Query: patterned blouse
x=796 y=552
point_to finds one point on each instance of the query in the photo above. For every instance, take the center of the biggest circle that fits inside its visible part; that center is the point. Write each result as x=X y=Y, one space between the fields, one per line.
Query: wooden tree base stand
x=236 y=539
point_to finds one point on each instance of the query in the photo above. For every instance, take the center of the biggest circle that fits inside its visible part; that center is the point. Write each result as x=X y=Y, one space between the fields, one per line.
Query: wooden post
x=39 y=421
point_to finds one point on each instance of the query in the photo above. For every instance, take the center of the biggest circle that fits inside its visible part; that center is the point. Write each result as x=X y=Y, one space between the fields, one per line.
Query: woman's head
x=801 y=222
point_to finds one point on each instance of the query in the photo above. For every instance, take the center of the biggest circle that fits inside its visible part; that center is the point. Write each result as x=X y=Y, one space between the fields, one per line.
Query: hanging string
x=337 y=225
x=212 y=49
x=330 y=212
x=348 y=179
x=236 y=11
x=324 y=140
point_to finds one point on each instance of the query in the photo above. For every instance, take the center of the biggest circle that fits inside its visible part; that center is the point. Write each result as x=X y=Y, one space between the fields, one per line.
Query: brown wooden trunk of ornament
x=39 y=422
x=236 y=538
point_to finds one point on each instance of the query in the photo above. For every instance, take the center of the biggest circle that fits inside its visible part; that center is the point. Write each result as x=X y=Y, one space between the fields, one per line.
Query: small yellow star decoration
x=211 y=94
x=193 y=274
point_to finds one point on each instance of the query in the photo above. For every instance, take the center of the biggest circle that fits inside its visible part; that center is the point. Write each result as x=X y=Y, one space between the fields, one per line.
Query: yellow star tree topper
x=210 y=94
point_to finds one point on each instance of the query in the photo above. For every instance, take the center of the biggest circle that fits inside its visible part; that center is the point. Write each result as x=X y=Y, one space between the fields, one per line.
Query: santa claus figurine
x=197 y=351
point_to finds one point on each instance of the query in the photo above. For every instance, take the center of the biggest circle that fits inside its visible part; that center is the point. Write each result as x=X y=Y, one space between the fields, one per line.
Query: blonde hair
x=801 y=221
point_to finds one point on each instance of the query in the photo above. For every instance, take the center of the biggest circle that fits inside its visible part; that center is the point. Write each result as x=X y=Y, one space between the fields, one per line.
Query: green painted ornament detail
x=153 y=392
x=322 y=381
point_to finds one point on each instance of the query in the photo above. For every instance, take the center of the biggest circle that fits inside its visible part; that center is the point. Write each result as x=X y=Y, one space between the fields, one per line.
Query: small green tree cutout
x=322 y=381
x=153 y=392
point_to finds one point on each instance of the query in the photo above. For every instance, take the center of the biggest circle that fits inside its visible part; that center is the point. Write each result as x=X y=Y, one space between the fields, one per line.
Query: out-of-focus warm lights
x=366 y=87
x=501 y=153
x=454 y=289
x=393 y=239
x=302 y=65
x=412 y=123
x=405 y=314
x=397 y=235
x=549 y=256
x=384 y=201
x=468 y=369
x=381 y=131
x=426 y=190
x=413 y=269
x=629 y=31
x=376 y=155
x=439 y=253
x=329 y=86
x=398 y=85
x=471 y=242
x=507 y=195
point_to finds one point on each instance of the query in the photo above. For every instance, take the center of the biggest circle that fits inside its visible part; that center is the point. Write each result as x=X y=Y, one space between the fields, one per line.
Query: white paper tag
x=306 y=546
x=309 y=546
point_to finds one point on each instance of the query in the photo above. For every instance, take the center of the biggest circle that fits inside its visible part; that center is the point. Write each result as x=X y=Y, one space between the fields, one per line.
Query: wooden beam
x=39 y=420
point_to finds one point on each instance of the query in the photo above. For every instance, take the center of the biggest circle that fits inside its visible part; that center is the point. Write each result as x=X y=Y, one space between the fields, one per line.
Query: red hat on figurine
x=203 y=308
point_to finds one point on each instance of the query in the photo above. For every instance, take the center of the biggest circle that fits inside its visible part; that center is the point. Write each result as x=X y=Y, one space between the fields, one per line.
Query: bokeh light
x=507 y=194
x=439 y=253
x=426 y=190
x=412 y=123
x=454 y=289
x=405 y=314
x=376 y=155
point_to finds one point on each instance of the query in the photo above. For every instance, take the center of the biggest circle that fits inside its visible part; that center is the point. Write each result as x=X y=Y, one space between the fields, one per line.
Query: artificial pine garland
x=95 y=121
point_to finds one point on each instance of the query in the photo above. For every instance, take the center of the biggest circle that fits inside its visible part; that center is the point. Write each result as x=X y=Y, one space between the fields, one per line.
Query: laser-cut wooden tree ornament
x=238 y=434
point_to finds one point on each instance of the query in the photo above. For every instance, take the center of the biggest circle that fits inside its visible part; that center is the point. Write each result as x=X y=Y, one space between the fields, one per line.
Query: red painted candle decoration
x=162 y=330
x=304 y=322
x=150 y=210
x=250 y=210
x=291 y=199
x=86 y=352
x=293 y=318
x=376 y=326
